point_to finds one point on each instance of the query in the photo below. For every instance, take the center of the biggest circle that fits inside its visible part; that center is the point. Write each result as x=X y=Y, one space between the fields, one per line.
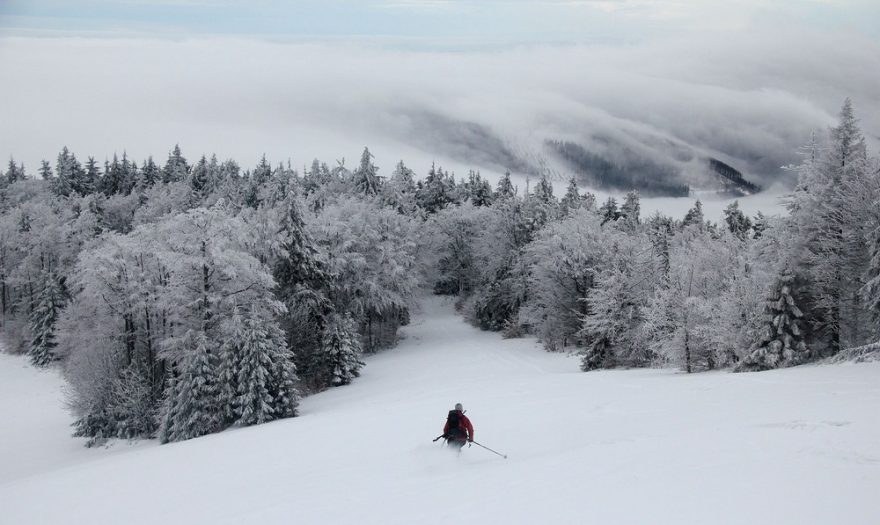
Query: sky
x=460 y=82
x=469 y=20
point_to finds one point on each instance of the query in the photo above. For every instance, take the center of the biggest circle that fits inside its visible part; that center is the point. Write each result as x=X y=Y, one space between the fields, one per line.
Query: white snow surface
x=799 y=446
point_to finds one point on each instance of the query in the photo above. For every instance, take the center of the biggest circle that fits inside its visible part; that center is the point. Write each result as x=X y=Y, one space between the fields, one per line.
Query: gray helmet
x=458 y=406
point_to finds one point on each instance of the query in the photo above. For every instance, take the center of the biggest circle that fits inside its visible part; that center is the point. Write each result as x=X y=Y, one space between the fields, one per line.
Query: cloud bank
x=749 y=100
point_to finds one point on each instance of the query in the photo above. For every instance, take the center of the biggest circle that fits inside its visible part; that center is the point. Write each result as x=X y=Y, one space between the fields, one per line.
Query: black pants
x=456 y=443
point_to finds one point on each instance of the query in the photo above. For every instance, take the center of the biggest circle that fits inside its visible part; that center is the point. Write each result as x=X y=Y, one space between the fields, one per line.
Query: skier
x=458 y=429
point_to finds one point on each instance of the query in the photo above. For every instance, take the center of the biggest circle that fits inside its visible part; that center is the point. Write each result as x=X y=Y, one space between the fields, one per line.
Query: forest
x=182 y=298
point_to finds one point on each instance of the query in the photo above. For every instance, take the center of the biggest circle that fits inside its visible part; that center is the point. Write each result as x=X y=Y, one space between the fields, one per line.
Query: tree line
x=186 y=298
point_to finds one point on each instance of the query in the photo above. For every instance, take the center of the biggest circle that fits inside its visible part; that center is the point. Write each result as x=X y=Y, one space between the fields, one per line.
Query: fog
x=750 y=101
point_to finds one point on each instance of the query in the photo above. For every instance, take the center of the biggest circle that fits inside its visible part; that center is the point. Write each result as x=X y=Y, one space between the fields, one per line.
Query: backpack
x=454 y=422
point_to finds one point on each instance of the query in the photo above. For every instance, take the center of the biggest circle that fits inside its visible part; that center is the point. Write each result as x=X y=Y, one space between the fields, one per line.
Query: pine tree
x=198 y=182
x=365 y=177
x=339 y=359
x=45 y=170
x=193 y=407
x=572 y=199
x=67 y=174
x=694 y=216
x=505 y=189
x=831 y=209
x=782 y=343
x=400 y=191
x=737 y=222
x=129 y=176
x=609 y=211
x=113 y=180
x=477 y=190
x=92 y=178
x=437 y=191
x=759 y=225
x=265 y=374
x=176 y=168
x=301 y=280
x=43 y=319
x=150 y=173
x=14 y=173
x=630 y=209
x=871 y=290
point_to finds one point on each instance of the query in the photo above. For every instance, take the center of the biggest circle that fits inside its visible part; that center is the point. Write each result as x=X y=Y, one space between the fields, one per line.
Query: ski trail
x=581 y=447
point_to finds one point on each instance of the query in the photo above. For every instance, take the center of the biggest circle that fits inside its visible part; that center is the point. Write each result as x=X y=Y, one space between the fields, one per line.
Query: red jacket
x=464 y=424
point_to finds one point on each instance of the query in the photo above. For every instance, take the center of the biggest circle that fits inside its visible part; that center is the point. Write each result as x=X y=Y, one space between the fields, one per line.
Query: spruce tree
x=437 y=191
x=694 y=216
x=505 y=189
x=339 y=360
x=400 y=191
x=609 y=211
x=150 y=173
x=193 y=407
x=871 y=290
x=737 y=222
x=301 y=281
x=572 y=199
x=176 y=168
x=43 y=319
x=366 y=178
x=264 y=374
x=14 y=173
x=67 y=172
x=630 y=210
x=92 y=178
x=782 y=342
x=198 y=182
x=45 y=170
x=113 y=179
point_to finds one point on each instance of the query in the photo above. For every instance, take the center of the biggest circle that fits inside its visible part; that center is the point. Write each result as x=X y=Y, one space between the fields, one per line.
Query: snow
x=35 y=433
x=643 y=446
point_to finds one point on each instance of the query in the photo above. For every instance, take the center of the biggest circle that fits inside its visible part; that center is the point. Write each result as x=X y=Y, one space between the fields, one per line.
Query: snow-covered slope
x=645 y=446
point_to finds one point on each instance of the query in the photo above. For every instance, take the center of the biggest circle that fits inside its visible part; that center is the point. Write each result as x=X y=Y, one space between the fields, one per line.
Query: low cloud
x=750 y=102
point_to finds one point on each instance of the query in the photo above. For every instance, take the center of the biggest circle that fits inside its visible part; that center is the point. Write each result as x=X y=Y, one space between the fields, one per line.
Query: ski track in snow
x=799 y=446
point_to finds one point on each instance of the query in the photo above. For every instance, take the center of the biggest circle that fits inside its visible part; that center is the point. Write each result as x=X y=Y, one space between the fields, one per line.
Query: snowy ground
x=799 y=446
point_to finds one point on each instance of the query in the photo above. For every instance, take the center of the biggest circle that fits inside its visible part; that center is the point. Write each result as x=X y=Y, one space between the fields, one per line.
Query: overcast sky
x=510 y=20
x=746 y=81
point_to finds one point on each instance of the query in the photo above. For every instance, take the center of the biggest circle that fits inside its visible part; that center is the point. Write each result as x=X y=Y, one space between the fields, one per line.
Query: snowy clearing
x=643 y=446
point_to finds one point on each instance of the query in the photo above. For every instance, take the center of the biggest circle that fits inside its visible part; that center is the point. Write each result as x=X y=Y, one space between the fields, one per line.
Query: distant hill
x=732 y=180
x=640 y=174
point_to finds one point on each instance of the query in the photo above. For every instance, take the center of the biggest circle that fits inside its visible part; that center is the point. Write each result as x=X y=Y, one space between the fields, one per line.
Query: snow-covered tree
x=366 y=177
x=14 y=172
x=832 y=209
x=629 y=211
x=782 y=341
x=505 y=189
x=450 y=244
x=437 y=191
x=339 y=360
x=562 y=261
x=694 y=216
x=737 y=222
x=176 y=167
x=257 y=368
x=370 y=257
x=400 y=190
x=608 y=211
x=193 y=407
x=43 y=319
x=150 y=173
x=612 y=325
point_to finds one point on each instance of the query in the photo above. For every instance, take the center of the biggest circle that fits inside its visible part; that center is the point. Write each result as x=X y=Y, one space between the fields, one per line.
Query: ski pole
x=440 y=436
x=489 y=449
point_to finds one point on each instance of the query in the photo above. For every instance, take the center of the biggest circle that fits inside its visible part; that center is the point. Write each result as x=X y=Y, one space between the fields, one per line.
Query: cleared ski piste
x=642 y=447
